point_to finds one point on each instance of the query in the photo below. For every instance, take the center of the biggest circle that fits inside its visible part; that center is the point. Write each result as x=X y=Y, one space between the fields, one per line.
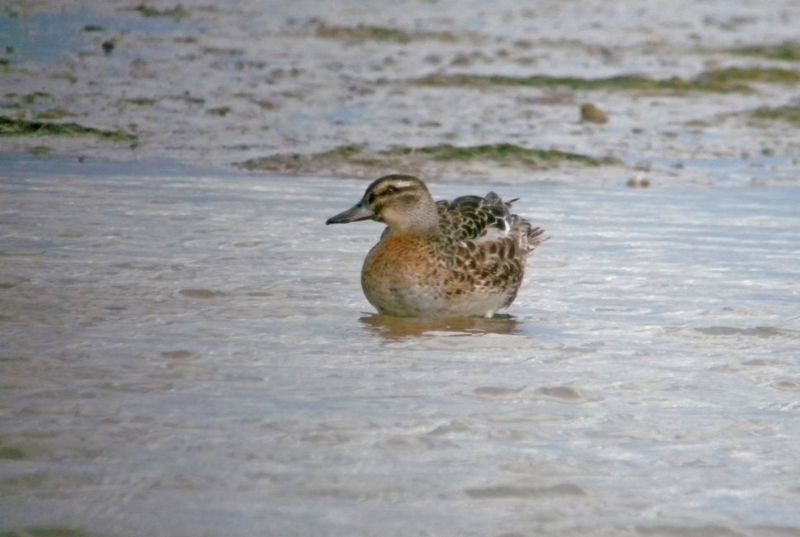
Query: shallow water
x=189 y=354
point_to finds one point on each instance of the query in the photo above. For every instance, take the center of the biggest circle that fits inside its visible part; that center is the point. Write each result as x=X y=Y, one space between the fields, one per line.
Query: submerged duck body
x=459 y=258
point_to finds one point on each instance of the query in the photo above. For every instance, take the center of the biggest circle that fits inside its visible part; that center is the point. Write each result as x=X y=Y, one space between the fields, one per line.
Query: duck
x=441 y=259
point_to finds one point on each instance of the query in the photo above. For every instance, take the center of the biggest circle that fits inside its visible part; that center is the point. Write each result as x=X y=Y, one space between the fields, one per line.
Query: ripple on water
x=525 y=492
x=756 y=331
x=497 y=391
x=689 y=531
x=787 y=385
x=178 y=354
x=561 y=393
x=202 y=294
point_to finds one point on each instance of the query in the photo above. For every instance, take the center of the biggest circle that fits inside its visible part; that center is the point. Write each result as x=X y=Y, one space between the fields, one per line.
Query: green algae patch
x=177 y=13
x=139 y=101
x=789 y=113
x=11 y=453
x=732 y=79
x=220 y=111
x=52 y=113
x=788 y=51
x=384 y=34
x=343 y=152
x=731 y=76
x=39 y=150
x=36 y=97
x=48 y=531
x=23 y=127
x=505 y=153
x=353 y=160
x=334 y=162
x=626 y=82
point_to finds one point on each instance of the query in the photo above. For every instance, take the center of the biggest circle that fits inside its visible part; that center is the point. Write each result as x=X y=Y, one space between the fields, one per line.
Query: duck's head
x=402 y=202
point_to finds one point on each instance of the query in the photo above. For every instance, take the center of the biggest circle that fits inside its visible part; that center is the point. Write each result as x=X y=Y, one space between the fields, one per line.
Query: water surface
x=191 y=354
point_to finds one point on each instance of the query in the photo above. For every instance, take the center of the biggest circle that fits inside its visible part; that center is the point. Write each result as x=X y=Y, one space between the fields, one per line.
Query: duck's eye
x=389 y=190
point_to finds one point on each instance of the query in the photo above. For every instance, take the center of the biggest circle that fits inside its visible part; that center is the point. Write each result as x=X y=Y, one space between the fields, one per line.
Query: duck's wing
x=472 y=217
x=485 y=220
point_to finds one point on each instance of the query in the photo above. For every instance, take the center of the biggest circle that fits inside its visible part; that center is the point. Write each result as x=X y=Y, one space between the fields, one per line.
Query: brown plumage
x=457 y=258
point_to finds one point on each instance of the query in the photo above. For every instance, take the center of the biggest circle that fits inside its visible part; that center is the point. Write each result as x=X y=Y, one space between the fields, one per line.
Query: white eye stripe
x=399 y=185
x=394 y=188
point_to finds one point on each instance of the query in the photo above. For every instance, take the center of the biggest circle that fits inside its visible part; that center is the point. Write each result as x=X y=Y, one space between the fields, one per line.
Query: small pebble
x=638 y=181
x=593 y=114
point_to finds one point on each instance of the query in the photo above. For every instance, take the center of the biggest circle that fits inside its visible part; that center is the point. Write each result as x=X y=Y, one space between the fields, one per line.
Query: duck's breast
x=403 y=275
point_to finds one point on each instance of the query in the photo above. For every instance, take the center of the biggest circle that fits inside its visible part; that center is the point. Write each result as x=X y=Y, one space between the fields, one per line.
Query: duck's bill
x=354 y=214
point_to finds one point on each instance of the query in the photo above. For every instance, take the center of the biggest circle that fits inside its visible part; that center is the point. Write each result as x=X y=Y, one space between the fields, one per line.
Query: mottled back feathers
x=486 y=219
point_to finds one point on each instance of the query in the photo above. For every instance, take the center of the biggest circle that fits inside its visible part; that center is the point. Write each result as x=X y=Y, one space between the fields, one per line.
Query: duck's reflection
x=393 y=328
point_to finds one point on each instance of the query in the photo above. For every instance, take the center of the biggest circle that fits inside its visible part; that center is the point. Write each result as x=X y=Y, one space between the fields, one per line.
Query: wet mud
x=290 y=88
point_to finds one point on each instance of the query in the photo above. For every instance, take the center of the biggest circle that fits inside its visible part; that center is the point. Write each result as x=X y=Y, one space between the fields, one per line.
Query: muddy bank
x=245 y=82
x=431 y=161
